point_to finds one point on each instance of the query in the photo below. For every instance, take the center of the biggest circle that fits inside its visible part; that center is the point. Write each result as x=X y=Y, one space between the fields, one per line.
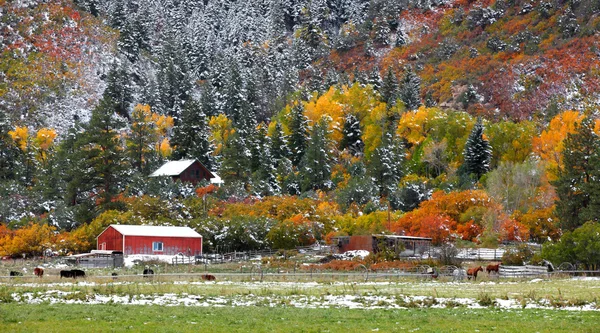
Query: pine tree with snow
x=389 y=88
x=100 y=164
x=375 y=79
x=478 y=152
x=578 y=185
x=352 y=136
x=410 y=90
x=174 y=84
x=235 y=166
x=191 y=136
x=236 y=106
x=298 y=137
x=8 y=151
x=141 y=139
x=316 y=162
x=279 y=144
x=118 y=88
x=386 y=164
x=264 y=178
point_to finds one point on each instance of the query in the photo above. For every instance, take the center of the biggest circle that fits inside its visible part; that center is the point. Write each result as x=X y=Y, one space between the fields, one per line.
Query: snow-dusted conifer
x=316 y=162
x=478 y=152
x=191 y=136
x=410 y=90
x=298 y=136
x=352 y=136
x=386 y=165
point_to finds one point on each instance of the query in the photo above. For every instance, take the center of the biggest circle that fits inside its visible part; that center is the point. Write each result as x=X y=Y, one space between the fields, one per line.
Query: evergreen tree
x=389 y=88
x=99 y=170
x=375 y=79
x=386 y=165
x=352 y=139
x=8 y=151
x=298 y=136
x=279 y=144
x=264 y=179
x=236 y=106
x=578 y=185
x=316 y=162
x=191 y=136
x=174 y=85
x=477 y=153
x=118 y=89
x=141 y=139
x=236 y=160
x=410 y=91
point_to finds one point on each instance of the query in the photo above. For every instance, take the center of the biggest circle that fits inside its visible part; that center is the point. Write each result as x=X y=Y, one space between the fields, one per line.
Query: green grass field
x=120 y=318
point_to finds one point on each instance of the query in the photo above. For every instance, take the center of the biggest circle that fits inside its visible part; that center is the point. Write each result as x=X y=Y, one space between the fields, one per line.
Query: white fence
x=522 y=271
x=480 y=254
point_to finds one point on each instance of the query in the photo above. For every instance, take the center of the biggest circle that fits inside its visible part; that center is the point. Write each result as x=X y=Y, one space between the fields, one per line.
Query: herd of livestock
x=78 y=273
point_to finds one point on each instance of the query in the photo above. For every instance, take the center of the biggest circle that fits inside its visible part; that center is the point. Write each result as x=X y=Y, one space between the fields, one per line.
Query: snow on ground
x=298 y=301
x=326 y=300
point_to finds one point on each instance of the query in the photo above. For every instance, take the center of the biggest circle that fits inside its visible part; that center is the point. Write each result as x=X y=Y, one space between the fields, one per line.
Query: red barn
x=147 y=239
x=191 y=171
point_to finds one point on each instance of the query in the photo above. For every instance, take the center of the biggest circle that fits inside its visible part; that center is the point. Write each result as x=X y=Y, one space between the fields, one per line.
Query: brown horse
x=39 y=272
x=208 y=277
x=472 y=272
x=493 y=268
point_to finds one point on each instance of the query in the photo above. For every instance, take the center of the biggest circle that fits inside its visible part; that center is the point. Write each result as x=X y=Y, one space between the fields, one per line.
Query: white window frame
x=157 y=246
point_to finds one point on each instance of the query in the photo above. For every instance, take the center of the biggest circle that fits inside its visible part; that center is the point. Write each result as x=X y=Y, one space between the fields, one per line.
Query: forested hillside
x=467 y=121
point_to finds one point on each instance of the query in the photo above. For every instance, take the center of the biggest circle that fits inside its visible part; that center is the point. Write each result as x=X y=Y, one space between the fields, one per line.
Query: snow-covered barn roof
x=172 y=168
x=151 y=230
x=216 y=180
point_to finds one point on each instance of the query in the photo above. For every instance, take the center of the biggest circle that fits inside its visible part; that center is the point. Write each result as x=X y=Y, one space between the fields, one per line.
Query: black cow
x=13 y=273
x=66 y=274
x=148 y=272
x=78 y=273
x=114 y=275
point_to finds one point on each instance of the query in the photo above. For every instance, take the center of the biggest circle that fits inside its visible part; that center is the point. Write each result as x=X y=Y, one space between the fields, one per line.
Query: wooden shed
x=405 y=246
x=145 y=239
x=190 y=171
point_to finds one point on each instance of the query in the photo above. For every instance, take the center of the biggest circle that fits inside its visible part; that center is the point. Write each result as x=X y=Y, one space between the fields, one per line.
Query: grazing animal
x=208 y=277
x=472 y=272
x=78 y=273
x=459 y=274
x=148 y=272
x=548 y=265
x=13 y=273
x=492 y=268
x=66 y=274
x=39 y=272
x=114 y=275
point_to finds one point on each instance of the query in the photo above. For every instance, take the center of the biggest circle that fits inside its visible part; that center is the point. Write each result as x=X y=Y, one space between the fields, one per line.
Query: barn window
x=197 y=173
x=157 y=246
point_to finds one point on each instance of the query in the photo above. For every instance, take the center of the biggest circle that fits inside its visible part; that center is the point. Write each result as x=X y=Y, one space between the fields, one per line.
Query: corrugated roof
x=172 y=168
x=151 y=230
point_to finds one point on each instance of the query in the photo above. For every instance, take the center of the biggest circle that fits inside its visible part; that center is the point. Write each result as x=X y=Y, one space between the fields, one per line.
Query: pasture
x=119 y=318
x=184 y=298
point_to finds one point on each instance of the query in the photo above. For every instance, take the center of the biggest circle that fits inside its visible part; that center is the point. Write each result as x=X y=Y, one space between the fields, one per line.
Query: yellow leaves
x=20 y=136
x=42 y=142
x=415 y=125
x=164 y=124
x=45 y=138
x=164 y=148
x=32 y=239
x=221 y=128
x=549 y=145
x=326 y=106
